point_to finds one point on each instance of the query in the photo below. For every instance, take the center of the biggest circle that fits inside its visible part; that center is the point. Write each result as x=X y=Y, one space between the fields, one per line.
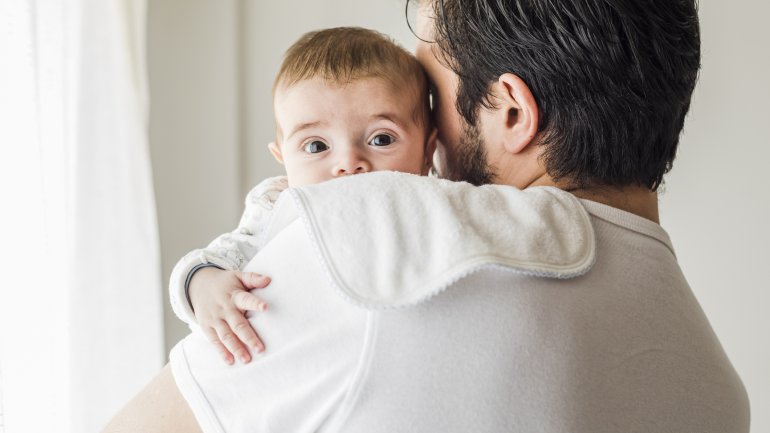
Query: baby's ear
x=276 y=151
x=430 y=149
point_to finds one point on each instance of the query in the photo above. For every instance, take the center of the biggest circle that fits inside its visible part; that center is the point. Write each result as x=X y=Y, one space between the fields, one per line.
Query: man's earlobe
x=517 y=104
x=276 y=151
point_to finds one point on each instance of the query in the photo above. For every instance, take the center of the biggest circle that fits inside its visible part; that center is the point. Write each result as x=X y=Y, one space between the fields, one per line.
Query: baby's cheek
x=300 y=174
x=412 y=163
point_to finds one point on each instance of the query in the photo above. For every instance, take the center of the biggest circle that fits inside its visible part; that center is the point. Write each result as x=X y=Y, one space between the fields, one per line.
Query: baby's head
x=347 y=101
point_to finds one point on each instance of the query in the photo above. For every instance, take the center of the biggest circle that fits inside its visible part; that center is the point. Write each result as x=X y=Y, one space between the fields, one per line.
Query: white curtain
x=80 y=288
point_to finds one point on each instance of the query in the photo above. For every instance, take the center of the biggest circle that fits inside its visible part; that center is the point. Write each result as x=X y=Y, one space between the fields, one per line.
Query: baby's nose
x=352 y=163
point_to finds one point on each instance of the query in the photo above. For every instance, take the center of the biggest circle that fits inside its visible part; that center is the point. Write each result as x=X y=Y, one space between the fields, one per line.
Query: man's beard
x=469 y=163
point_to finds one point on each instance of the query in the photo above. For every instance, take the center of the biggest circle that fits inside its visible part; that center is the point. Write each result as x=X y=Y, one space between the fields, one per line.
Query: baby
x=346 y=101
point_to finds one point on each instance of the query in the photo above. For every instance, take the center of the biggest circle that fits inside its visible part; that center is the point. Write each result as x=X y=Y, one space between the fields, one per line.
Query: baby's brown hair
x=344 y=54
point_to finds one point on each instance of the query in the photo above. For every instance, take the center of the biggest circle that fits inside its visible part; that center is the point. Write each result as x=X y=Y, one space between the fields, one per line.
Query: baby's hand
x=220 y=298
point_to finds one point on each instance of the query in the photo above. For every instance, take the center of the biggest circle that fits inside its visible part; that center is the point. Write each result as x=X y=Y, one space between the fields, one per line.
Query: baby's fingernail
x=262 y=306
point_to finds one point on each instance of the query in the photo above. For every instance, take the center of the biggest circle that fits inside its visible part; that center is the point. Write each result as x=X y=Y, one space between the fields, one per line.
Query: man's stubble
x=470 y=163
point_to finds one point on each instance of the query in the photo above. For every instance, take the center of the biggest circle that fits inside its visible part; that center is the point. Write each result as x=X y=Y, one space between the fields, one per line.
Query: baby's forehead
x=401 y=85
x=404 y=99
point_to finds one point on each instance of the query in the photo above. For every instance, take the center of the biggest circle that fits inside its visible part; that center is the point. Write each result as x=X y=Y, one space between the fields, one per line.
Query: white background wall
x=211 y=69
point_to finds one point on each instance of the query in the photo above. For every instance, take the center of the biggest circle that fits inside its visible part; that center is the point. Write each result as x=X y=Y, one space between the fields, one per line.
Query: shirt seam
x=360 y=375
x=630 y=222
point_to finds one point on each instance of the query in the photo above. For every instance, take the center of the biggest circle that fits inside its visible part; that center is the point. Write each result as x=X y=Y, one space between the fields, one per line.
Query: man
x=527 y=333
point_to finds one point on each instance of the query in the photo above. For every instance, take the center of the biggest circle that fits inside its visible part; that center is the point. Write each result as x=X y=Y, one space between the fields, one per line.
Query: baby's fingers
x=231 y=341
x=213 y=338
x=245 y=301
x=245 y=332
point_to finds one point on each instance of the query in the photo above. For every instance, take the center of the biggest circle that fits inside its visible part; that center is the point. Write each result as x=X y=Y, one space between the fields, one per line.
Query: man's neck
x=634 y=199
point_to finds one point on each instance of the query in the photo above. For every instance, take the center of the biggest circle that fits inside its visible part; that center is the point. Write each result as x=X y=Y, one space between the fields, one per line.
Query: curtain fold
x=81 y=301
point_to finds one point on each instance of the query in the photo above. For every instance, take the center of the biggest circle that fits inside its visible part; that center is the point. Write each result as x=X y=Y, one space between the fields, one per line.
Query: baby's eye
x=315 y=146
x=382 y=140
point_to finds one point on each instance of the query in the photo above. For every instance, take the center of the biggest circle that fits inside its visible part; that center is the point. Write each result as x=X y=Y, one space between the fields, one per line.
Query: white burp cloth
x=402 y=261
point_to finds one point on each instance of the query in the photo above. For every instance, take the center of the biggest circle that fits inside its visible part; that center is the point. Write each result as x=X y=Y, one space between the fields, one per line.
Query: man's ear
x=276 y=151
x=430 y=149
x=517 y=110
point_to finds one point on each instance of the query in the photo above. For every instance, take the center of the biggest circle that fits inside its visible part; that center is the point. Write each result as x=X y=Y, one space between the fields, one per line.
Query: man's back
x=624 y=347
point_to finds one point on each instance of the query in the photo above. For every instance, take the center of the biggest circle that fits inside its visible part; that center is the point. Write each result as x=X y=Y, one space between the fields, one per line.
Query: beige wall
x=211 y=70
x=194 y=137
x=717 y=201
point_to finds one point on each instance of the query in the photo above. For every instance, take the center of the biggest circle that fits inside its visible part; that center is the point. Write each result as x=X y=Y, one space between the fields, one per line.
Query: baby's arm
x=210 y=280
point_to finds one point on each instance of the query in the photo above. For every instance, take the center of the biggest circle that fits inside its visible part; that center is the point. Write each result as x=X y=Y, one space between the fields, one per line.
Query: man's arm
x=159 y=407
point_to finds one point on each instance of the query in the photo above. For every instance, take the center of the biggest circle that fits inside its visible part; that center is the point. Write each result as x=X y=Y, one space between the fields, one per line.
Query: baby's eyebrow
x=305 y=125
x=391 y=117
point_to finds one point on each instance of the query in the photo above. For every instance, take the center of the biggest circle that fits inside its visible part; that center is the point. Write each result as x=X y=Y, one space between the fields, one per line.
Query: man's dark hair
x=612 y=79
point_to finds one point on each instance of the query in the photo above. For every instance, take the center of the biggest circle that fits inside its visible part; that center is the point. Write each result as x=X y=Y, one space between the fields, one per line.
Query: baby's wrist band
x=189 y=278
